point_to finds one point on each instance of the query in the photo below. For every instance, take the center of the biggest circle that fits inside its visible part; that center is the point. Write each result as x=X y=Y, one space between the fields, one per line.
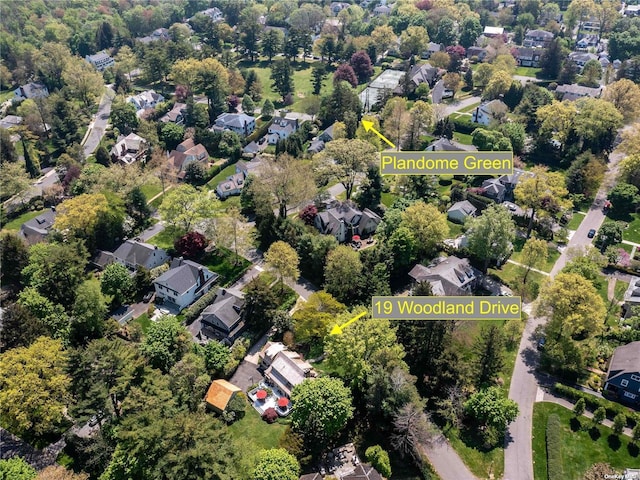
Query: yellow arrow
x=368 y=125
x=337 y=329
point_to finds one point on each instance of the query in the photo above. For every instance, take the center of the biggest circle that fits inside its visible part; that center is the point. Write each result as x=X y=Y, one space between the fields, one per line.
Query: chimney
x=201 y=276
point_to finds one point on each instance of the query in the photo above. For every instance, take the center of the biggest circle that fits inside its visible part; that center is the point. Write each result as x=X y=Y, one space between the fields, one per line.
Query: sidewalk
x=532 y=269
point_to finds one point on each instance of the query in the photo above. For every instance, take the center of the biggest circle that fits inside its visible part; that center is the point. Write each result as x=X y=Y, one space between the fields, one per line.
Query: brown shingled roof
x=220 y=393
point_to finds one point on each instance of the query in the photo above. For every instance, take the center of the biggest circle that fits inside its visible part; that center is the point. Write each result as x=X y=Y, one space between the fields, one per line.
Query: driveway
x=99 y=124
x=518 y=454
x=152 y=231
x=12 y=446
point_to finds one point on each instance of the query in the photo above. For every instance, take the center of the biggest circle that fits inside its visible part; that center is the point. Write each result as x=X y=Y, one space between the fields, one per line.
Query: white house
x=451 y=276
x=537 y=38
x=493 y=31
x=213 y=13
x=234 y=184
x=280 y=129
x=459 y=211
x=240 y=123
x=31 y=90
x=184 y=283
x=490 y=111
x=129 y=149
x=145 y=100
x=187 y=152
x=133 y=254
x=101 y=60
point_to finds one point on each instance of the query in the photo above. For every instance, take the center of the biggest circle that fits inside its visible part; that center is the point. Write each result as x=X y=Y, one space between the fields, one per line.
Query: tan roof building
x=220 y=394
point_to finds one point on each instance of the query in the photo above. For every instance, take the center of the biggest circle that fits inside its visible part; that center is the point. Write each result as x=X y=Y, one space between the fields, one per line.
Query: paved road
x=446 y=461
x=49 y=177
x=12 y=446
x=458 y=105
x=518 y=455
x=99 y=124
x=151 y=231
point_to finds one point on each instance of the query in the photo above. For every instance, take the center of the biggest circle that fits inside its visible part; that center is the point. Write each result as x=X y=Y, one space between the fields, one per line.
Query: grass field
x=553 y=255
x=150 y=190
x=463 y=138
x=528 y=71
x=222 y=263
x=144 y=321
x=257 y=432
x=575 y=221
x=512 y=275
x=222 y=175
x=469 y=108
x=481 y=463
x=165 y=238
x=14 y=225
x=580 y=449
x=632 y=232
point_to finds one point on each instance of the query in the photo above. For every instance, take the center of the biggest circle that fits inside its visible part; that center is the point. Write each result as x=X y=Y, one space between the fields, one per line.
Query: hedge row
x=259 y=132
x=463 y=124
x=554 y=449
x=191 y=313
x=592 y=402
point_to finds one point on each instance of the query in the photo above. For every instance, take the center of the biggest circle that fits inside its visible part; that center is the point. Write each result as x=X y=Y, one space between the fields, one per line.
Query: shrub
x=270 y=415
x=191 y=245
x=554 y=445
x=379 y=459
x=191 y=313
x=619 y=422
x=578 y=409
x=463 y=124
x=308 y=214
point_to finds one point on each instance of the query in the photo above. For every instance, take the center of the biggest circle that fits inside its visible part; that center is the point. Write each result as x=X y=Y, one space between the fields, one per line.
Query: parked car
x=592 y=233
x=148 y=296
x=541 y=343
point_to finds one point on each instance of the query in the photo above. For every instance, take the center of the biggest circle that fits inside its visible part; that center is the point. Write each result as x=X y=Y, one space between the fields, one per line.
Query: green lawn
x=150 y=190
x=144 y=321
x=14 y=225
x=528 y=71
x=463 y=138
x=613 y=310
x=632 y=232
x=165 y=238
x=554 y=254
x=575 y=221
x=625 y=246
x=481 y=463
x=4 y=96
x=580 y=449
x=469 y=108
x=387 y=199
x=455 y=229
x=221 y=262
x=257 y=432
x=222 y=175
x=228 y=203
x=511 y=275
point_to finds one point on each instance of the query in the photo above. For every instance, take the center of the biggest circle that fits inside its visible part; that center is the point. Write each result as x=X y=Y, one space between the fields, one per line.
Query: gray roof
x=363 y=471
x=226 y=308
x=514 y=177
x=448 y=277
x=443 y=144
x=625 y=359
x=137 y=253
x=493 y=185
x=423 y=74
x=495 y=106
x=237 y=120
x=464 y=206
x=573 y=91
x=538 y=34
x=286 y=372
x=37 y=228
x=183 y=275
x=345 y=212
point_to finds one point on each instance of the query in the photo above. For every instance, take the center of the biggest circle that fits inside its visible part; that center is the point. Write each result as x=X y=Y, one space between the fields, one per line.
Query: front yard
x=14 y=225
x=580 y=448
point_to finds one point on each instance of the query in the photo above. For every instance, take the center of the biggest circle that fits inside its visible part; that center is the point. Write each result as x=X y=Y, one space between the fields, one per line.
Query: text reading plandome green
x=440 y=163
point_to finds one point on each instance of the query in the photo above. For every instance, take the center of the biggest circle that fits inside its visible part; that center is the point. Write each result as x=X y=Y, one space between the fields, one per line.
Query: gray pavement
x=151 y=231
x=445 y=460
x=99 y=124
x=518 y=454
x=12 y=446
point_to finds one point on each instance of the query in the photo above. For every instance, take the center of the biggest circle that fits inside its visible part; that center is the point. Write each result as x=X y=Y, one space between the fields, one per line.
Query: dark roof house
x=345 y=220
x=223 y=319
x=184 y=283
x=36 y=230
x=133 y=254
x=623 y=375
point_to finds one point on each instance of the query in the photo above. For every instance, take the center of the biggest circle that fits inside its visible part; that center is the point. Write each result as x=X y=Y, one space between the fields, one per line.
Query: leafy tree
x=516 y=134
x=371 y=189
x=14 y=257
x=379 y=459
x=267 y=108
x=361 y=64
x=56 y=270
x=7 y=148
x=345 y=73
x=117 y=282
x=308 y=214
x=282 y=77
x=468 y=78
x=609 y=234
x=102 y=156
x=635 y=434
x=453 y=82
x=314 y=249
x=597 y=122
x=572 y=300
x=491 y=410
x=171 y=134
x=248 y=106
x=625 y=96
x=188 y=380
x=89 y=312
x=276 y=464
x=491 y=235
x=440 y=60
x=395 y=119
x=342 y=274
x=345 y=159
x=283 y=260
x=534 y=255
x=428 y=225
x=166 y=342
x=591 y=73
x=624 y=197
x=543 y=192
x=184 y=206
x=490 y=350
x=321 y=409
x=53 y=316
x=619 y=422
x=216 y=356
x=16 y=468
x=31 y=158
x=599 y=415
x=38 y=409
x=83 y=81
x=413 y=41
x=123 y=117
x=342 y=100
x=498 y=84
x=490 y=140
x=20 y=327
x=470 y=31
x=578 y=408
x=314 y=320
x=191 y=245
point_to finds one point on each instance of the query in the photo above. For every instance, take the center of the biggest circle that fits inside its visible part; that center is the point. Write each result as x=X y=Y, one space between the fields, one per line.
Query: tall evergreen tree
x=551 y=59
x=31 y=160
x=490 y=350
x=318 y=74
x=282 y=77
x=372 y=189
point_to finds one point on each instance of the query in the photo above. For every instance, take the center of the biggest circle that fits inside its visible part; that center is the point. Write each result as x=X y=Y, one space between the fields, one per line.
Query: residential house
x=631 y=297
x=176 y=114
x=363 y=471
x=220 y=394
x=287 y=369
x=337 y=7
x=129 y=149
x=213 y=13
x=537 y=38
x=632 y=10
x=327 y=135
x=510 y=181
x=382 y=10
x=30 y=90
x=479 y=52
x=234 y=184
x=423 y=74
x=493 y=32
x=101 y=61
x=158 y=34
x=10 y=121
x=133 y=254
x=185 y=153
x=459 y=211
x=146 y=100
x=573 y=92
x=581 y=58
x=431 y=49
x=223 y=319
x=280 y=129
x=495 y=110
x=451 y=276
x=586 y=42
x=316 y=146
x=623 y=375
x=345 y=220
x=240 y=123
x=443 y=144
x=528 y=56
x=494 y=189
x=37 y=229
x=184 y=283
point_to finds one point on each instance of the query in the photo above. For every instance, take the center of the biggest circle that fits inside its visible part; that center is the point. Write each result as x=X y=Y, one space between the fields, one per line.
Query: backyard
x=14 y=225
x=580 y=448
x=256 y=431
